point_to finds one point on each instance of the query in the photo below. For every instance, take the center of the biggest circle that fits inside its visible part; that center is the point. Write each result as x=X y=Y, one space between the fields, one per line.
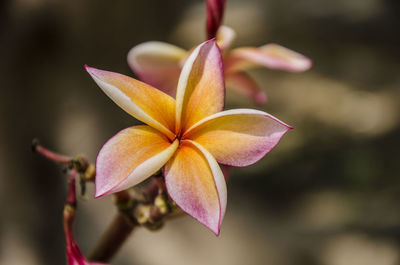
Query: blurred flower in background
x=159 y=63
x=326 y=195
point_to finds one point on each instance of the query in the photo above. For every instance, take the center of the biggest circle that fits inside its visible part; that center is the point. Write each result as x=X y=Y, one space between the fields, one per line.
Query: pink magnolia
x=159 y=63
x=187 y=136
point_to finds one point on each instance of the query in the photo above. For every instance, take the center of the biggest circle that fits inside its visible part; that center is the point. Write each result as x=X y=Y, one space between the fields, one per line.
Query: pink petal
x=130 y=157
x=241 y=83
x=215 y=13
x=157 y=64
x=271 y=56
x=225 y=38
x=238 y=137
x=201 y=90
x=140 y=100
x=196 y=183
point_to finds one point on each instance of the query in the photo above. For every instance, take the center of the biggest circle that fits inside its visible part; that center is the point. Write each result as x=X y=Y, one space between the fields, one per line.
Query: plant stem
x=113 y=239
x=148 y=211
x=69 y=210
x=62 y=159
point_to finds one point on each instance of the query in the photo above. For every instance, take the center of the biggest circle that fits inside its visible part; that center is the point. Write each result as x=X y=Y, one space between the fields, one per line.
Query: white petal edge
x=124 y=102
x=182 y=84
x=235 y=112
x=219 y=180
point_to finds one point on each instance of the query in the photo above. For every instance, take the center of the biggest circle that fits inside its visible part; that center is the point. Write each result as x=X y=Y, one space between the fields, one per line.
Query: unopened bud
x=90 y=172
x=80 y=163
x=161 y=204
x=143 y=214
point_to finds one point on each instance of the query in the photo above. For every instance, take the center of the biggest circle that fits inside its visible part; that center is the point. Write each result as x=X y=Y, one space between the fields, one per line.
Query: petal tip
x=216 y=231
x=100 y=193
x=309 y=64
x=303 y=65
x=212 y=227
x=209 y=42
x=96 y=196
x=289 y=127
x=90 y=70
x=260 y=98
x=94 y=72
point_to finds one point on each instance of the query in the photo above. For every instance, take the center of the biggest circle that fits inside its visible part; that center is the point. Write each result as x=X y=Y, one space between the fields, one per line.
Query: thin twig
x=112 y=240
x=61 y=159
x=150 y=210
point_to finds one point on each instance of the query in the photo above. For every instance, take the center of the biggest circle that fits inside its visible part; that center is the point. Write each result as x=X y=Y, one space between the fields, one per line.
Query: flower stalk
x=74 y=255
x=148 y=209
x=58 y=158
x=115 y=236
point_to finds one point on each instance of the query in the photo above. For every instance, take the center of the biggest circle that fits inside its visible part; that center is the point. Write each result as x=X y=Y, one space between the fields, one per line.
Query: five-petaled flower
x=159 y=64
x=188 y=136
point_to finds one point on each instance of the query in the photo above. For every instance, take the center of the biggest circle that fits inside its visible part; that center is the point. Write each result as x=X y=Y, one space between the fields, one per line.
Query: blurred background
x=328 y=194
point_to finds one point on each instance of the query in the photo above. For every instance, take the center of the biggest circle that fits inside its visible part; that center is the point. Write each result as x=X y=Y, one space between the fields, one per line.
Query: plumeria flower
x=187 y=136
x=159 y=63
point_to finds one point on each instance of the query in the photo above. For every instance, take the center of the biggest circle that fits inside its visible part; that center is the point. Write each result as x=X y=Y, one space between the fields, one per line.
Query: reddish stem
x=71 y=197
x=156 y=186
x=113 y=239
x=123 y=197
x=36 y=147
x=70 y=206
x=69 y=212
x=215 y=12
